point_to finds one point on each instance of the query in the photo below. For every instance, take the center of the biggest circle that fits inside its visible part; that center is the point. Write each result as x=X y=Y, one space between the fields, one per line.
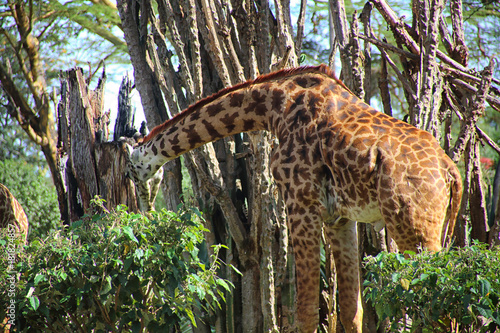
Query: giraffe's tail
x=454 y=206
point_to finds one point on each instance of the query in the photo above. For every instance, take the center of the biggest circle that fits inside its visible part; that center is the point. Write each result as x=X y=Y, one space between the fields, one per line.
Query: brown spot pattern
x=337 y=157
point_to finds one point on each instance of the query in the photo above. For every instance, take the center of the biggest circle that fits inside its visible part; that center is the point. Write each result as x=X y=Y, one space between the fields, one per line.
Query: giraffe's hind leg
x=412 y=226
x=343 y=238
x=306 y=247
x=414 y=207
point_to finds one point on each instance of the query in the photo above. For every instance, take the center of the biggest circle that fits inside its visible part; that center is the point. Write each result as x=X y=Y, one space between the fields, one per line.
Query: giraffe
x=338 y=161
x=13 y=219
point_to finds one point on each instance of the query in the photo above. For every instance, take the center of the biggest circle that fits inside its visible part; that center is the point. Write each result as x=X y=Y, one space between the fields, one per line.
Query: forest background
x=39 y=39
x=46 y=37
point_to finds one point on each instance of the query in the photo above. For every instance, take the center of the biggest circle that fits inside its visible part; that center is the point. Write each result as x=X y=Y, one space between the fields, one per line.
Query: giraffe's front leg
x=154 y=185
x=305 y=232
x=343 y=238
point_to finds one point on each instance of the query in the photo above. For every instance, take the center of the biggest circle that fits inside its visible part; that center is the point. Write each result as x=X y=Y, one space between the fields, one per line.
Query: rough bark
x=215 y=45
x=494 y=216
x=124 y=125
x=429 y=84
x=341 y=38
x=90 y=165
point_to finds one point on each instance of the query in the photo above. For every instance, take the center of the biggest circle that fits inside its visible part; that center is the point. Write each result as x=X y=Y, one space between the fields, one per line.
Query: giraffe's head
x=146 y=180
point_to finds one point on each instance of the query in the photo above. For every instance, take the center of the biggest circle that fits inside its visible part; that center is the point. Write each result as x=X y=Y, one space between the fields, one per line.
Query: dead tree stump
x=90 y=164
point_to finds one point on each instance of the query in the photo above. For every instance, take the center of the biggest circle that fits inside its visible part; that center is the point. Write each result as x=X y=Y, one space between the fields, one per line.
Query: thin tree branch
x=212 y=41
x=476 y=110
x=487 y=139
x=462 y=73
x=384 y=87
x=238 y=233
x=178 y=44
x=300 y=27
x=494 y=102
x=193 y=32
x=388 y=46
x=400 y=76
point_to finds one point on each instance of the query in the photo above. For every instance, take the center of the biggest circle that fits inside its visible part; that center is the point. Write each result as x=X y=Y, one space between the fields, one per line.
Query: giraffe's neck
x=255 y=105
x=242 y=110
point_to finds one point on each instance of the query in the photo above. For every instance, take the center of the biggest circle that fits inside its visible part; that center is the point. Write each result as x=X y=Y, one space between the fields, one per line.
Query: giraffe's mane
x=260 y=79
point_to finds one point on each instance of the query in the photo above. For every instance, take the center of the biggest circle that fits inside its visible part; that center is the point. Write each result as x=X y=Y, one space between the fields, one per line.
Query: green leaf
x=63 y=275
x=235 y=269
x=190 y=316
x=34 y=302
x=107 y=286
x=484 y=287
x=138 y=253
x=127 y=263
x=136 y=327
x=127 y=230
x=224 y=284
x=39 y=277
x=94 y=278
x=466 y=301
x=484 y=310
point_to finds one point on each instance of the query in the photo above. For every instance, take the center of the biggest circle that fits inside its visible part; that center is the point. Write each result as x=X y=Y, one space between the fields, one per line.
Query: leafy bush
x=449 y=291
x=114 y=272
x=35 y=193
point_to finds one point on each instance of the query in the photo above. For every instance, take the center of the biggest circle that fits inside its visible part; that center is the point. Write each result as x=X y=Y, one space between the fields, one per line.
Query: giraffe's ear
x=129 y=149
x=126 y=145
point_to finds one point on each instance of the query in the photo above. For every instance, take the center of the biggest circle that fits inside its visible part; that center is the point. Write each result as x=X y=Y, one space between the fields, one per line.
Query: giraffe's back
x=12 y=215
x=384 y=168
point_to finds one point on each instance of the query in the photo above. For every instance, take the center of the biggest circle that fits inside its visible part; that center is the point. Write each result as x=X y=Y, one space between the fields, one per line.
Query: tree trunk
x=91 y=166
x=37 y=119
x=493 y=216
x=215 y=47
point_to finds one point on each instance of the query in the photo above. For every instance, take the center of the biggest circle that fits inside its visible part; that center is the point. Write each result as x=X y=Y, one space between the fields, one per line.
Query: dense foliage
x=451 y=291
x=34 y=192
x=115 y=271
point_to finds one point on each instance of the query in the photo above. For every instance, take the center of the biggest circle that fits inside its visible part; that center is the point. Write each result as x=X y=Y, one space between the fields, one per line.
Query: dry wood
x=365 y=19
x=342 y=39
x=90 y=165
x=124 y=125
x=300 y=26
x=429 y=82
x=357 y=60
x=383 y=84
